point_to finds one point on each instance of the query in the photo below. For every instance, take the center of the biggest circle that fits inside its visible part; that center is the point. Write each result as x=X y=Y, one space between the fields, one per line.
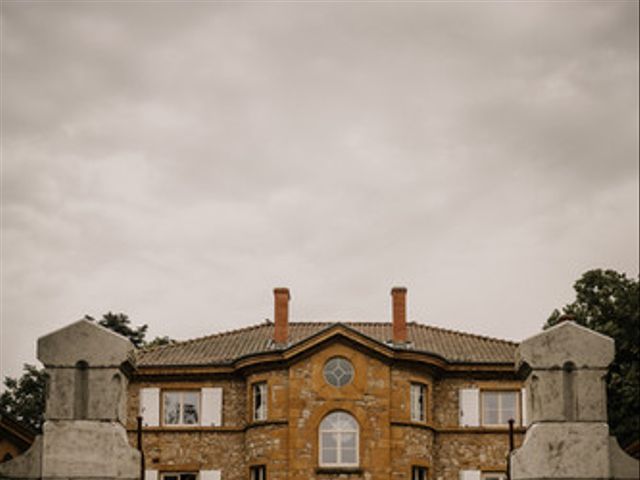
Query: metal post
x=142 y=466
x=511 y=423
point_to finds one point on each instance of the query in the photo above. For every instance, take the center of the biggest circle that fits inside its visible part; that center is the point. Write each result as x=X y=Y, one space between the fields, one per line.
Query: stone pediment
x=83 y=340
x=566 y=342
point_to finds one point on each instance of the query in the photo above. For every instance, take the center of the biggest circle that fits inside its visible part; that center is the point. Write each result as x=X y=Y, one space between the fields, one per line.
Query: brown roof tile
x=226 y=347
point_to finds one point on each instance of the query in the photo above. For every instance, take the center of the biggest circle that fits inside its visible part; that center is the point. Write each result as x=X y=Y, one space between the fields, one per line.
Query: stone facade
x=299 y=397
x=15 y=437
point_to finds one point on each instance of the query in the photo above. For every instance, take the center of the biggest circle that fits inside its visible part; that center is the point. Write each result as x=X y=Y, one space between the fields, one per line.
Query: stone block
x=87 y=449
x=623 y=466
x=563 y=450
x=86 y=341
x=60 y=394
x=563 y=343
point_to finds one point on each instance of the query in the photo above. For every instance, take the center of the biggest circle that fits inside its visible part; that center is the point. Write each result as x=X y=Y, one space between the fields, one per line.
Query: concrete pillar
x=568 y=436
x=83 y=435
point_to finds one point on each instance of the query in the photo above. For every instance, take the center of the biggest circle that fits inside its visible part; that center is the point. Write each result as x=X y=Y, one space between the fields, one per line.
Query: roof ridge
x=461 y=333
x=333 y=322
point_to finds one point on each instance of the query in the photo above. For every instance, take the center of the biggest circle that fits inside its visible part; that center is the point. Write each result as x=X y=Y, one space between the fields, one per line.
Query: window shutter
x=150 y=475
x=469 y=408
x=150 y=406
x=212 y=407
x=470 y=474
x=210 y=475
x=523 y=403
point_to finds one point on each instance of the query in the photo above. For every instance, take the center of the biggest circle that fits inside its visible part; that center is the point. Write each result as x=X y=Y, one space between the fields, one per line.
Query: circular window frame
x=340 y=367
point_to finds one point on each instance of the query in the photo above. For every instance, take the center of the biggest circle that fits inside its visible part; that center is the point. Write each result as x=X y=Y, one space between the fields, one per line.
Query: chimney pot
x=399 y=296
x=281 y=314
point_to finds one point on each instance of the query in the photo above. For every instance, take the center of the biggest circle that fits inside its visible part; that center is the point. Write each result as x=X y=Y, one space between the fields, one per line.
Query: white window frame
x=258 y=472
x=518 y=419
x=418 y=403
x=181 y=423
x=345 y=366
x=339 y=463
x=494 y=475
x=259 y=412
x=164 y=475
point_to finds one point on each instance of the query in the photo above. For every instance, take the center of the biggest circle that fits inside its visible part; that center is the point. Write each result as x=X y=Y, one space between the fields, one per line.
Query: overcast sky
x=176 y=161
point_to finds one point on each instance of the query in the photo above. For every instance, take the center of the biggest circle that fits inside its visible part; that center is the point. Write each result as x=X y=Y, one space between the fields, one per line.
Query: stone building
x=301 y=401
x=15 y=437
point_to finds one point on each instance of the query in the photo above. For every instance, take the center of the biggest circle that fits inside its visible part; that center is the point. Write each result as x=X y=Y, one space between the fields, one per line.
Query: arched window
x=81 y=391
x=338 y=440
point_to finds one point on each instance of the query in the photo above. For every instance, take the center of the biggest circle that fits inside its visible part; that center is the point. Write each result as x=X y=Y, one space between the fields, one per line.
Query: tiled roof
x=226 y=347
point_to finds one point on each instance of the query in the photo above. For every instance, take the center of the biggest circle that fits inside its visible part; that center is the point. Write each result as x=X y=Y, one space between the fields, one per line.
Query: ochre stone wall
x=184 y=450
x=196 y=448
x=367 y=398
x=470 y=451
x=267 y=441
x=7 y=447
x=234 y=398
x=390 y=444
x=411 y=446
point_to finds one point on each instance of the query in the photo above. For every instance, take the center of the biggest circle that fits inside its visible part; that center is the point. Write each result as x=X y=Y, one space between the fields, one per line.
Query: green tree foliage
x=608 y=302
x=120 y=323
x=158 y=341
x=24 y=397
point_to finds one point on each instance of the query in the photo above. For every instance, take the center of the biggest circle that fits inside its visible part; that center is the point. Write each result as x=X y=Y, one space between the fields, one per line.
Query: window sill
x=414 y=424
x=339 y=470
x=191 y=428
x=500 y=426
x=266 y=423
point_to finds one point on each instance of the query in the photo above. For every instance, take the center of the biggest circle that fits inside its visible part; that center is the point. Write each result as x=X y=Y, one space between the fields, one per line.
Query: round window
x=338 y=372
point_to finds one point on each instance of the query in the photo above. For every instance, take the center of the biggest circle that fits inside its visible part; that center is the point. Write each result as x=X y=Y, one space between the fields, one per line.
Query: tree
x=120 y=323
x=24 y=398
x=608 y=302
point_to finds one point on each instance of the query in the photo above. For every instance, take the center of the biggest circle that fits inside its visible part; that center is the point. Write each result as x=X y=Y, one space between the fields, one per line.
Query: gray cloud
x=177 y=160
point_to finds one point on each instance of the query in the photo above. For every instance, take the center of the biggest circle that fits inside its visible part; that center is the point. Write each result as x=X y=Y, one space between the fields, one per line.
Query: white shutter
x=469 y=407
x=523 y=403
x=210 y=475
x=150 y=406
x=150 y=475
x=212 y=407
x=470 y=474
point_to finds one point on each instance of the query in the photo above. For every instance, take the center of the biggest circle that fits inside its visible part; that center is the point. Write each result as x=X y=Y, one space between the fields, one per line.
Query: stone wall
x=480 y=450
x=367 y=398
x=299 y=398
x=202 y=449
x=234 y=397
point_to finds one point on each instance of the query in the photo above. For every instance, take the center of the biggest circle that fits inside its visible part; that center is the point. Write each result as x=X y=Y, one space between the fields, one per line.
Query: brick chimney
x=281 y=314
x=399 y=296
